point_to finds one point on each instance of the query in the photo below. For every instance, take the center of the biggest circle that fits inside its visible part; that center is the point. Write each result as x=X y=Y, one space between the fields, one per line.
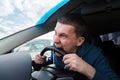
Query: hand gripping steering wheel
x=54 y=71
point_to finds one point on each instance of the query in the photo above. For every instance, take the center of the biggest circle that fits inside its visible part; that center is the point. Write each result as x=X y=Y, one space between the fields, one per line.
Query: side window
x=112 y=37
x=111 y=47
x=36 y=45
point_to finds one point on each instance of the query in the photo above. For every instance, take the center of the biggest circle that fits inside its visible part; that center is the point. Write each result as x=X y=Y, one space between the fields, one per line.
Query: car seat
x=15 y=66
x=112 y=52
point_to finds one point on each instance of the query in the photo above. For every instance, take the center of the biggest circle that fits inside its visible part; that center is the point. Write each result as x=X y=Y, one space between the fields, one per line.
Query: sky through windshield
x=16 y=15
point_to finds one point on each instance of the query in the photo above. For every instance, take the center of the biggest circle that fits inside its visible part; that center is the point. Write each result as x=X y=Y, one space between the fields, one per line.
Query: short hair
x=76 y=21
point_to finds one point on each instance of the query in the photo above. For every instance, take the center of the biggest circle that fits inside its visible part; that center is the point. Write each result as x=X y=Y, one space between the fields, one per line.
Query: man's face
x=65 y=37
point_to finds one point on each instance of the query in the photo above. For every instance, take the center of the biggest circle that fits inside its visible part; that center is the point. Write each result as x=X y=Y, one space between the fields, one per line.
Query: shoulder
x=92 y=54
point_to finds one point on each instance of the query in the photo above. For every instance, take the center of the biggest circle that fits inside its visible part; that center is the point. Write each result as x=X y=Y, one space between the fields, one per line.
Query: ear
x=80 y=41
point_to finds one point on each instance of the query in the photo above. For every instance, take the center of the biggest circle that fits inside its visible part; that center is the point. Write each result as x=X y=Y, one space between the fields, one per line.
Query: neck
x=73 y=50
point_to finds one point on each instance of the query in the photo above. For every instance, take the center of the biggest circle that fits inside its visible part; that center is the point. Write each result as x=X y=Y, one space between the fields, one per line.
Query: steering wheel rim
x=59 y=50
x=53 y=70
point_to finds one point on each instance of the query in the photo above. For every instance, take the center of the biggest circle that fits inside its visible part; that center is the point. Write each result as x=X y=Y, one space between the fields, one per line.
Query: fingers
x=67 y=61
x=40 y=59
x=71 y=61
x=71 y=66
x=67 y=56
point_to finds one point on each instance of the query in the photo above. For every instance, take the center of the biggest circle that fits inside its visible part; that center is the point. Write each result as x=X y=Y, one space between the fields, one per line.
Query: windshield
x=16 y=15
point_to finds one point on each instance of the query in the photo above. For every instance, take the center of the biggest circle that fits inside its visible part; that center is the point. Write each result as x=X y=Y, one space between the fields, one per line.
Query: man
x=83 y=56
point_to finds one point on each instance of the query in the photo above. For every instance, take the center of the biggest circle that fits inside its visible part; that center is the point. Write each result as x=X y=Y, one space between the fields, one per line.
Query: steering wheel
x=59 y=50
x=52 y=72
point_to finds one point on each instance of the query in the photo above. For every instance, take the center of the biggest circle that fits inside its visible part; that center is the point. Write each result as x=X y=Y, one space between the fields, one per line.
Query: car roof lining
x=97 y=14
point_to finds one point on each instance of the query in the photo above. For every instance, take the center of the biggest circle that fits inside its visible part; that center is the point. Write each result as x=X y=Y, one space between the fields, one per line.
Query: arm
x=75 y=63
x=41 y=61
x=100 y=70
x=103 y=70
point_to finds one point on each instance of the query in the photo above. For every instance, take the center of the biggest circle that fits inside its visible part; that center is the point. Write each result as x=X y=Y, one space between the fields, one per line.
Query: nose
x=56 y=39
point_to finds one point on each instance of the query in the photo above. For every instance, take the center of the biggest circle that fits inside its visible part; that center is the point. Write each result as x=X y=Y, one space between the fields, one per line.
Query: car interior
x=16 y=67
x=102 y=17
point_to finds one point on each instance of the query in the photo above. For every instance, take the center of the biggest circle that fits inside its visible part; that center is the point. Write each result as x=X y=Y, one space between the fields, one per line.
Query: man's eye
x=63 y=36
